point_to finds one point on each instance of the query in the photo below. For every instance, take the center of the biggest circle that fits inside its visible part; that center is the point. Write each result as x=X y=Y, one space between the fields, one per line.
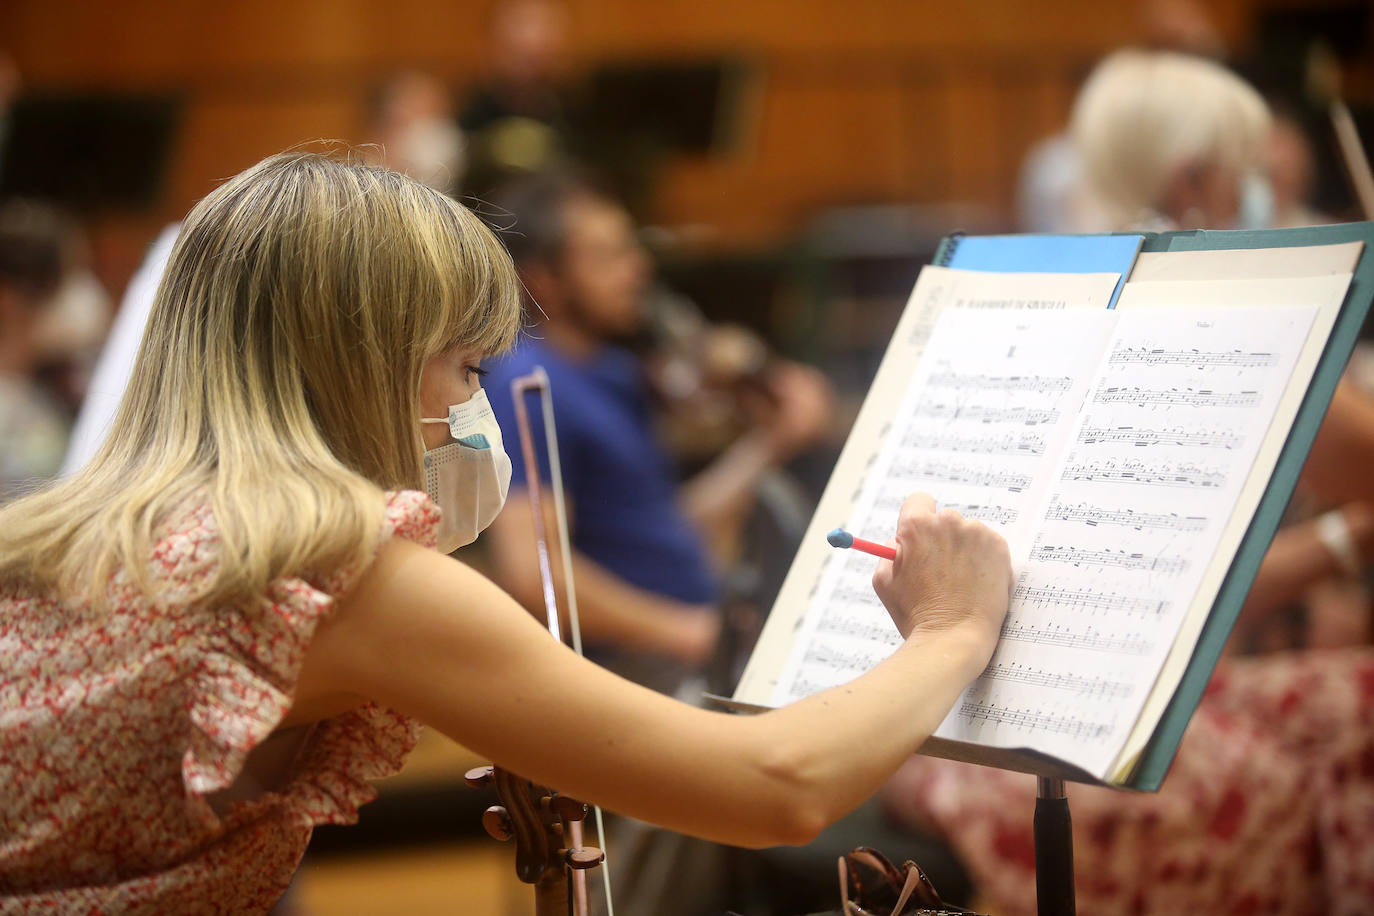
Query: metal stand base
x=1053 y=850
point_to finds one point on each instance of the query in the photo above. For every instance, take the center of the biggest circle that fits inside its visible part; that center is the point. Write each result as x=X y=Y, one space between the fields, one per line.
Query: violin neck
x=551 y=894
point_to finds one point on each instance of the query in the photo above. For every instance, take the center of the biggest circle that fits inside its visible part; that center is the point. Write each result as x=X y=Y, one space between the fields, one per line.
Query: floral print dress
x=1268 y=807
x=120 y=731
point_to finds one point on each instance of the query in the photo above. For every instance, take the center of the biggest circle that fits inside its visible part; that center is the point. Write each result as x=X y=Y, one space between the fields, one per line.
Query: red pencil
x=841 y=538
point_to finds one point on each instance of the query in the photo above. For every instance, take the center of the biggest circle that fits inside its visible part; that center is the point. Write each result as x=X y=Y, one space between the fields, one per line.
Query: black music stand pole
x=1053 y=849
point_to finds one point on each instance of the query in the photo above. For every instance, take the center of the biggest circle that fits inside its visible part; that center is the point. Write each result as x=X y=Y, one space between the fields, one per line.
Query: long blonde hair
x=278 y=380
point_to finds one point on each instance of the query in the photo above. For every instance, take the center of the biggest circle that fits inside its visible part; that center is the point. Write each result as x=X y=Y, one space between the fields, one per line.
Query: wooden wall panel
x=862 y=100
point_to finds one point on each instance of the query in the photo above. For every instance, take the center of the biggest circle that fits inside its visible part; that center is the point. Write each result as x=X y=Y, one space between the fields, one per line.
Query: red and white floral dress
x=1268 y=808
x=117 y=727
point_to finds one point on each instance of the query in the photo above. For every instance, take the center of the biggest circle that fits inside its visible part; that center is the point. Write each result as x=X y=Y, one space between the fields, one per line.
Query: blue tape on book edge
x=1113 y=253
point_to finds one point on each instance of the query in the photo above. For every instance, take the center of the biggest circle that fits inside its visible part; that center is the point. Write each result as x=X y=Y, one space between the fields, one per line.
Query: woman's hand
x=951 y=575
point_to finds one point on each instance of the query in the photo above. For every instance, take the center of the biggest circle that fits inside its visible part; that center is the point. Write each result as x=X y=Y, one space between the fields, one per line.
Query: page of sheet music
x=1108 y=539
x=937 y=289
x=979 y=426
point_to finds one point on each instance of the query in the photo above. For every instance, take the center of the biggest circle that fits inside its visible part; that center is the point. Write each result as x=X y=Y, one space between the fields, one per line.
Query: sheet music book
x=1122 y=453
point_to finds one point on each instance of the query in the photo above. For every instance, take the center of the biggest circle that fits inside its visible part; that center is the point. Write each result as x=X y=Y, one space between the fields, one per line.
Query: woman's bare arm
x=436 y=640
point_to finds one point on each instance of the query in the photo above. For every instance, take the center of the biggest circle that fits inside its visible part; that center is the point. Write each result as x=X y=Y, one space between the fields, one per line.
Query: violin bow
x=537 y=381
x=1324 y=84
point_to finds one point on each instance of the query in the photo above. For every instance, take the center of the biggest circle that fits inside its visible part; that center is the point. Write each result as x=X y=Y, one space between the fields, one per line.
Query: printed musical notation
x=987 y=514
x=1083 y=685
x=1175 y=397
x=1105 y=557
x=1038 y=424
x=1033 y=720
x=978 y=381
x=878 y=631
x=1200 y=359
x=839 y=659
x=1087 y=638
x=1059 y=596
x=1142 y=437
x=953 y=472
x=848 y=592
x=1010 y=444
x=1162 y=474
x=1093 y=516
x=802 y=686
x=984 y=413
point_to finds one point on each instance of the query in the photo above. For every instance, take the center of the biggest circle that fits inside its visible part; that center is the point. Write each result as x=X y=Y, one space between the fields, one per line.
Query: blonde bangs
x=481 y=306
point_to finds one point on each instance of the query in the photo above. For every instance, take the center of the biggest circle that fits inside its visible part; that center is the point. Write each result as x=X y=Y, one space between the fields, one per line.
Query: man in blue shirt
x=646 y=581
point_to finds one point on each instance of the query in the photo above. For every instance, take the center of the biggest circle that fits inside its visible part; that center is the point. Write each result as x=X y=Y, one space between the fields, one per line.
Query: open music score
x=1108 y=448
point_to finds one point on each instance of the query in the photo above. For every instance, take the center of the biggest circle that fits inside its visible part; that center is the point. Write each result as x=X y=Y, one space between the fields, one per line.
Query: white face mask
x=468 y=478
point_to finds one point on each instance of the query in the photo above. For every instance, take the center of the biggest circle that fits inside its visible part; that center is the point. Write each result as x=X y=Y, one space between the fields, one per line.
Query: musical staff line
x=836 y=625
x=1000 y=515
x=1199 y=358
x=1010 y=444
x=1166 y=474
x=966 y=381
x=1035 y=721
x=853 y=594
x=1093 y=516
x=1176 y=397
x=1089 y=638
x=961 y=473
x=1141 y=437
x=838 y=659
x=1023 y=416
x=1079 y=597
x=1079 y=556
x=1082 y=685
x=805 y=686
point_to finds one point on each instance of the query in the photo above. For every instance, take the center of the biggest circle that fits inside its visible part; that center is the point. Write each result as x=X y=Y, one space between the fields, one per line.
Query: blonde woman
x=234 y=615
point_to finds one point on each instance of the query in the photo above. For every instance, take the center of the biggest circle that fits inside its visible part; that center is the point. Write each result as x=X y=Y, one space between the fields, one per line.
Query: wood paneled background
x=860 y=100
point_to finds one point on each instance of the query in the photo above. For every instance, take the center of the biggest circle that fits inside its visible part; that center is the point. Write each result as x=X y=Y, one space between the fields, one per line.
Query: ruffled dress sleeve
x=243 y=688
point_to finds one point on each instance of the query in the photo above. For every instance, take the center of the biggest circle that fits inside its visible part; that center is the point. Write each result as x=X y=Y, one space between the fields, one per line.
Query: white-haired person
x=235 y=614
x=1166 y=141
x=1269 y=804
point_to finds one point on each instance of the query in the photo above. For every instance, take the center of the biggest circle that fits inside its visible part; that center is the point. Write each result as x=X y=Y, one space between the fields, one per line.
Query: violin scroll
x=546 y=827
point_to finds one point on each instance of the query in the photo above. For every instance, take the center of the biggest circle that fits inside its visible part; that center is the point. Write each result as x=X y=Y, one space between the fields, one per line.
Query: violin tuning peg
x=497 y=823
x=583 y=857
x=569 y=809
x=478 y=776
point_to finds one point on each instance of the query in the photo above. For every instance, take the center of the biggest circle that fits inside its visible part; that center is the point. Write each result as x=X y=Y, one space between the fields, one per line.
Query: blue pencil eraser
x=840 y=538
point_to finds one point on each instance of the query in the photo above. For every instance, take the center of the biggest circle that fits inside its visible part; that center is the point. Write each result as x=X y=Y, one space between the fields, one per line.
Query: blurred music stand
x=638 y=112
x=89 y=151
